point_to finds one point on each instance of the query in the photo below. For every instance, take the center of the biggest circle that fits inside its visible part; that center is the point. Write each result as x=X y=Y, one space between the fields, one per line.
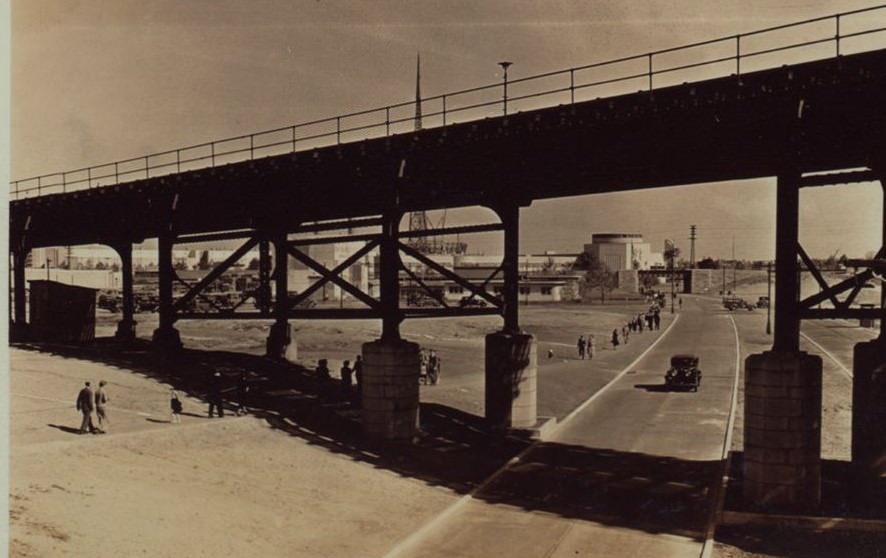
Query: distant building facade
x=620 y=251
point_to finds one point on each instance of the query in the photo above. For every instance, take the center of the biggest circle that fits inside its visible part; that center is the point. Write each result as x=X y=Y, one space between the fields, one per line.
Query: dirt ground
x=293 y=477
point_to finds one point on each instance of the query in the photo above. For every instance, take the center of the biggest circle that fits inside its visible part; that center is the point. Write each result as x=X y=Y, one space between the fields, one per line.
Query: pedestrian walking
x=581 y=347
x=101 y=413
x=242 y=394
x=614 y=339
x=175 y=405
x=640 y=322
x=86 y=404
x=215 y=395
x=656 y=319
x=346 y=375
x=680 y=302
x=358 y=376
x=358 y=371
x=624 y=333
x=323 y=378
x=422 y=367
x=592 y=346
x=433 y=367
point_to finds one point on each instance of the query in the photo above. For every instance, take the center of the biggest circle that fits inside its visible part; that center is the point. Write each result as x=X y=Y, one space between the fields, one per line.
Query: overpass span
x=810 y=123
x=812 y=117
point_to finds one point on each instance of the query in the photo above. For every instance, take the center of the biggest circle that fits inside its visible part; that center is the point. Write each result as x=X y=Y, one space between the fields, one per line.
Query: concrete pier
x=782 y=430
x=390 y=394
x=166 y=341
x=511 y=369
x=125 y=330
x=869 y=414
x=280 y=345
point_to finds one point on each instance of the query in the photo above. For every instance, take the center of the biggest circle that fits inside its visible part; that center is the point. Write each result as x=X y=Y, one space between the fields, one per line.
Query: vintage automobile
x=683 y=373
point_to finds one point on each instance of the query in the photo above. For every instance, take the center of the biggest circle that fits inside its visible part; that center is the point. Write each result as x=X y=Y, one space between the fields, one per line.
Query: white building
x=620 y=251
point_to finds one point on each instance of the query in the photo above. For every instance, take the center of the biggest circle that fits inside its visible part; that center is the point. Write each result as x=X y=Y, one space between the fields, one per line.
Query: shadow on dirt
x=454 y=449
x=64 y=428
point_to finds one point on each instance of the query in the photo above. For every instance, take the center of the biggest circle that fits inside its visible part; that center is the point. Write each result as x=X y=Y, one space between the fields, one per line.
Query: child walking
x=176 y=405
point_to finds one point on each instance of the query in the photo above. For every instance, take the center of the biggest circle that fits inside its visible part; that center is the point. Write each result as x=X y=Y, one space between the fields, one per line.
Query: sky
x=98 y=81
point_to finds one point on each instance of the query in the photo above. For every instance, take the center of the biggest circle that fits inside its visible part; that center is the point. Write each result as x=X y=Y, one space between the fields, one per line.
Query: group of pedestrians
x=351 y=379
x=216 y=395
x=587 y=347
x=89 y=402
x=429 y=367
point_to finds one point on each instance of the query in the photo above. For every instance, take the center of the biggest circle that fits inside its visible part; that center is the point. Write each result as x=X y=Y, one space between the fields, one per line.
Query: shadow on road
x=653 y=387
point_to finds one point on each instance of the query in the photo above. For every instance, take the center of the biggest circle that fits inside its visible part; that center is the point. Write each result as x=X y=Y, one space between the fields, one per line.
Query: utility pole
x=733 y=264
x=692 y=246
x=505 y=65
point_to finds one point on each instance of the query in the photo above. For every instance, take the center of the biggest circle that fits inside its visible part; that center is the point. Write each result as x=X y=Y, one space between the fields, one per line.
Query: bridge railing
x=812 y=39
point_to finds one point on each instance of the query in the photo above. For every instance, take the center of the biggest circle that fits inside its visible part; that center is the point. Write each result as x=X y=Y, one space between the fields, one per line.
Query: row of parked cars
x=736 y=303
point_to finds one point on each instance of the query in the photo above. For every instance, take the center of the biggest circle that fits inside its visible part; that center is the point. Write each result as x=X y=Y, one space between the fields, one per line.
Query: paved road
x=629 y=475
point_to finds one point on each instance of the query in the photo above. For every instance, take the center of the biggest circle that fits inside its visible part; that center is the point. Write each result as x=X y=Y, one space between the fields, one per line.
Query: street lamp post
x=673 y=295
x=504 y=65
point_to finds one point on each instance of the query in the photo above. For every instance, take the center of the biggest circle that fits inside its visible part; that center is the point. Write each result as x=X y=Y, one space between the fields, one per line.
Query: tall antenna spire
x=417 y=91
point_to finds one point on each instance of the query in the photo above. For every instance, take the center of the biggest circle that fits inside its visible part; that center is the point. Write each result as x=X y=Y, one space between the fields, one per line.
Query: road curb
x=831 y=524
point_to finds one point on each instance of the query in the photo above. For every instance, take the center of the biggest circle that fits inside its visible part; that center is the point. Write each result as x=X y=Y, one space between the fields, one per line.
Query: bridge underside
x=786 y=123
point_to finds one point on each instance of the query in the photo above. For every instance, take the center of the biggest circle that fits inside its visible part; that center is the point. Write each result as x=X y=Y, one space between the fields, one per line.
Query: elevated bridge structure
x=802 y=102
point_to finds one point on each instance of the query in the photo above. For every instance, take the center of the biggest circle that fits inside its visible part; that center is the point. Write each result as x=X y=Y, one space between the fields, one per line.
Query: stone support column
x=391 y=365
x=280 y=344
x=126 y=326
x=511 y=357
x=390 y=393
x=782 y=419
x=782 y=430
x=511 y=392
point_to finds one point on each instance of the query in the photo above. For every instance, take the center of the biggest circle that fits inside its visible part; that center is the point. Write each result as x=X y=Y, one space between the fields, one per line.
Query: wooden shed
x=60 y=312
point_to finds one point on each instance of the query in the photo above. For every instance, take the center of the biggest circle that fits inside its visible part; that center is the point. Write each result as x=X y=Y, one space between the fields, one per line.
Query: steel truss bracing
x=842 y=309
x=297 y=306
x=870 y=269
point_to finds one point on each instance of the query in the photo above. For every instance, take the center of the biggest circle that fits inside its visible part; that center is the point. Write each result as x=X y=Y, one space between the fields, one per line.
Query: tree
x=671 y=254
x=583 y=261
x=598 y=276
x=647 y=281
x=708 y=263
x=204 y=260
x=253 y=264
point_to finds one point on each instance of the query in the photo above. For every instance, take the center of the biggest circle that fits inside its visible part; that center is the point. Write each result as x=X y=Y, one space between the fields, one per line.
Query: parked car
x=472 y=301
